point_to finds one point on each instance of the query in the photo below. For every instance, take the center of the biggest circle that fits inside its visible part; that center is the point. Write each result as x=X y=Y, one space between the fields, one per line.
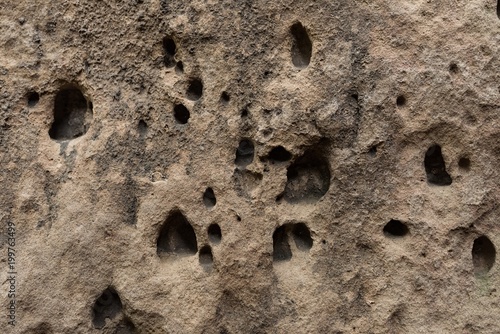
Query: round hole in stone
x=395 y=228
x=483 y=255
x=33 y=98
x=401 y=101
x=195 y=89
x=464 y=163
x=209 y=198
x=214 y=233
x=244 y=153
x=169 y=49
x=181 y=114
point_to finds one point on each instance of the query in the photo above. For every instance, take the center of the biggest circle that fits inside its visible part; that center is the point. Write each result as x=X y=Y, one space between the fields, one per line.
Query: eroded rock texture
x=250 y=166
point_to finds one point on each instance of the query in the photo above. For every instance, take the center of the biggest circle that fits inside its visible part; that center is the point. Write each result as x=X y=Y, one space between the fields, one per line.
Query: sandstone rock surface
x=250 y=166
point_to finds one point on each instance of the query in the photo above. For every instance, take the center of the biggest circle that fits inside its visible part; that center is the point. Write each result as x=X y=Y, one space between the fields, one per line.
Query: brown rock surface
x=250 y=167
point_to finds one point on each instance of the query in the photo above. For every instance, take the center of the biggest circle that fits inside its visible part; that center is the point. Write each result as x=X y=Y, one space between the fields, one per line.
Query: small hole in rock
x=244 y=113
x=108 y=305
x=244 y=153
x=179 y=67
x=181 y=114
x=453 y=68
x=209 y=198
x=72 y=115
x=498 y=9
x=395 y=228
x=464 y=163
x=279 y=154
x=238 y=218
x=214 y=233
x=142 y=127
x=435 y=167
x=224 y=97
x=373 y=151
x=33 y=98
x=176 y=236
x=483 y=255
x=281 y=247
x=302 y=236
x=301 y=46
x=400 y=101
x=206 y=258
x=169 y=48
x=195 y=90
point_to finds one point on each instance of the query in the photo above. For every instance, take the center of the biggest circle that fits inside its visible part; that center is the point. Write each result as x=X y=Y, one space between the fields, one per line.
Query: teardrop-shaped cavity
x=483 y=255
x=435 y=167
x=302 y=237
x=244 y=153
x=308 y=179
x=169 y=49
x=72 y=115
x=214 y=233
x=181 y=114
x=176 y=237
x=206 y=258
x=281 y=247
x=301 y=46
x=108 y=305
x=209 y=198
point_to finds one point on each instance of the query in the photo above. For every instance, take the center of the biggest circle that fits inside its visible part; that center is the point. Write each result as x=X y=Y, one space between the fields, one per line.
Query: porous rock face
x=251 y=166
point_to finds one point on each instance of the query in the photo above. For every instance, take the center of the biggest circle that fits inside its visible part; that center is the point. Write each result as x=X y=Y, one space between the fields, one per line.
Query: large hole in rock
x=308 y=179
x=195 y=89
x=169 y=49
x=395 y=228
x=214 y=233
x=108 y=305
x=209 y=198
x=435 y=167
x=281 y=248
x=301 y=46
x=244 y=153
x=72 y=115
x=302 y=237
x=483 y=255
x=176 y=237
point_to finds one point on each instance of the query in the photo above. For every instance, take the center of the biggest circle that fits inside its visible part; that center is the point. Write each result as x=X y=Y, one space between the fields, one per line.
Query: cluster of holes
x=298 y=232
x=301 y=46
x=435 y=167
x=72 y=114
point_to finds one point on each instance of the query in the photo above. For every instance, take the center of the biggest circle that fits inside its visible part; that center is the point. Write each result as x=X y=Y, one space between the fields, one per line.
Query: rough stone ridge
x=250 y=166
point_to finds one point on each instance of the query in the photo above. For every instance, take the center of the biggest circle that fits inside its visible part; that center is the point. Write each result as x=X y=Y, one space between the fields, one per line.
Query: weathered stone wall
x=250 y=166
